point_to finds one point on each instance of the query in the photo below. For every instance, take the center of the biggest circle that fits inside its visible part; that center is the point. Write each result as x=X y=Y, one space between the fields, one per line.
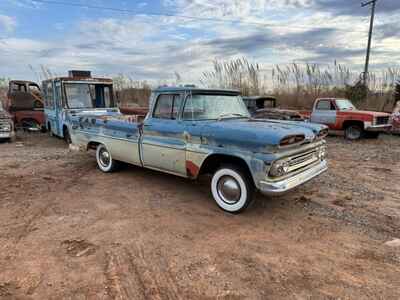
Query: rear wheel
x=104 y=159
x=232 y=189
x=354 y=132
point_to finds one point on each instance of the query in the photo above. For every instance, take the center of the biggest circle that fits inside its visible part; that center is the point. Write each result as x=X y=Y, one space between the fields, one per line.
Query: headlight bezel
x=279 y=168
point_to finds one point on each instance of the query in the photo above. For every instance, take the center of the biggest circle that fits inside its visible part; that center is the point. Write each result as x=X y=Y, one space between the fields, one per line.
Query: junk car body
x=265 y=107
x=25 y=104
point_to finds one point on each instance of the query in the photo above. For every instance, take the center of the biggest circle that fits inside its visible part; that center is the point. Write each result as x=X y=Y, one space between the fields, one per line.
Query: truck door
x=324 y=113
x=50 y=109
x=60 y=116
x=163 y=142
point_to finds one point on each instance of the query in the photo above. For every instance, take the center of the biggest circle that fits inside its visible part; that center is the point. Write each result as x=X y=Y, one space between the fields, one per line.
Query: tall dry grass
x=298 y=85
x=3 y=89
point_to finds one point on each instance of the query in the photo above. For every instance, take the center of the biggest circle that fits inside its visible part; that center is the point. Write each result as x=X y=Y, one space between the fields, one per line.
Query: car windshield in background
x=344 y=104
x=214 y=107
x=83 y=95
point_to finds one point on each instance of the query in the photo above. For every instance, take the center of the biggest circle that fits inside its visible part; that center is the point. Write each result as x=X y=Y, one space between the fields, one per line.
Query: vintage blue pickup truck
x=190 y=131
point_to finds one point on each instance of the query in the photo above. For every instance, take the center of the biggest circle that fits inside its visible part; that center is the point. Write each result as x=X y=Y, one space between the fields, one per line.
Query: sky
x=153 y=40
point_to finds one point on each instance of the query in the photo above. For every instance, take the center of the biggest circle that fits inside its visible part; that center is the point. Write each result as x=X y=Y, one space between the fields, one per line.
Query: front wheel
x=353 y=132
x=104 y=159
x=231 y=189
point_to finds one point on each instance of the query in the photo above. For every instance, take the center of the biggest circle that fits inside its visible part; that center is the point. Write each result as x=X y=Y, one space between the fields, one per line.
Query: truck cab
x=341 y=114
x=76 y=94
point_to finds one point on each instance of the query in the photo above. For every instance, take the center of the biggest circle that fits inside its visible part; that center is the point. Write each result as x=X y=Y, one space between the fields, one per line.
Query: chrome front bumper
x=285 y=185
x=378 y=128
x=6 y=134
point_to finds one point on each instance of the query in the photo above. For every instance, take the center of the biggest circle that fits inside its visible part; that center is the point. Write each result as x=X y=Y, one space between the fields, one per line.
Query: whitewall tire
x=232 y=189
x=104 y=159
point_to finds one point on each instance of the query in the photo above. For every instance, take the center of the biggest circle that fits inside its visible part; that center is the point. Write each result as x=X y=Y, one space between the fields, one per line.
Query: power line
x=155 y=14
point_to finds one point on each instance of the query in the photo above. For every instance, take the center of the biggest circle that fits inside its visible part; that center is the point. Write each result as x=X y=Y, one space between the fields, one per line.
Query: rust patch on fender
x=192 y=169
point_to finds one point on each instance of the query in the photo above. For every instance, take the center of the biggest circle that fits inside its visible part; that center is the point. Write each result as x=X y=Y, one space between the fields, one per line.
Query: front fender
x=257 y=164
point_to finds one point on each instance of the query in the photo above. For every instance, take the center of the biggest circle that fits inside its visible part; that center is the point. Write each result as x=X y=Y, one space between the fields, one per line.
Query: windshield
x=84 y=95
x=344 y=104
x=214 y=107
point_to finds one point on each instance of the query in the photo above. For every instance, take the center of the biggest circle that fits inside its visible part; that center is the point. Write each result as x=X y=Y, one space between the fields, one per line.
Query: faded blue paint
x=168 y=145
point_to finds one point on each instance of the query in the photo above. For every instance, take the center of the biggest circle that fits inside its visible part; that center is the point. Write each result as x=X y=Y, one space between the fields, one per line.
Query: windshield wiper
x=231 y=115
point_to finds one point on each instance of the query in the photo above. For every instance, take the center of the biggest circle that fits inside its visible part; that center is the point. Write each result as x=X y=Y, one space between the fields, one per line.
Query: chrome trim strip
x=108 y=136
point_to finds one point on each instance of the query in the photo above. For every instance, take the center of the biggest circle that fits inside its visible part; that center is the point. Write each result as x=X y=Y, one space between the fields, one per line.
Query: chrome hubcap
x=104 y=157
x=229 y=190
x=353 y=133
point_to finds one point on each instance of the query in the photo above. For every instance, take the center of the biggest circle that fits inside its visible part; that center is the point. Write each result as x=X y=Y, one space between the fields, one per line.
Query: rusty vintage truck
x=265 y=107
x=341 y=115
x=25 y=104
x=190 y=131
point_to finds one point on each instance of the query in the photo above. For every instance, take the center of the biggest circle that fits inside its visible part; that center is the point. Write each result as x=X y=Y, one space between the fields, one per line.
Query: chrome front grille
x=382 y=120
x=302 y=160
x=4 y=125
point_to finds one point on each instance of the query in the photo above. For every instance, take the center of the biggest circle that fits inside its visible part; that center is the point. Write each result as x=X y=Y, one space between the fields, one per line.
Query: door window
x=18 y=87
x=49 y=95
x=325 y=105
x=167 y=107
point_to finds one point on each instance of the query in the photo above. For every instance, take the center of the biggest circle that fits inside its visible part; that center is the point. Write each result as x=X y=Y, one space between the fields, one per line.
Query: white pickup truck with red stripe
x=341 y=114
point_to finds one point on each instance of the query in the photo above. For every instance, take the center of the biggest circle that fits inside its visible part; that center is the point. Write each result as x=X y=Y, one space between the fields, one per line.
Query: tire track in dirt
x=122 y=283
x=131 y=274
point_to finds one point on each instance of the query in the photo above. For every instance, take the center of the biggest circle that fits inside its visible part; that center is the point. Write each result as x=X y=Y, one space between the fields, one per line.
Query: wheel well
x=92 y=145
x=347 y=124
x=215 y=161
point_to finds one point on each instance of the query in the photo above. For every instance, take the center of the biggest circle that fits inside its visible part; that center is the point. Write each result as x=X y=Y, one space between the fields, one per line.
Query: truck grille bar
x=302 y=160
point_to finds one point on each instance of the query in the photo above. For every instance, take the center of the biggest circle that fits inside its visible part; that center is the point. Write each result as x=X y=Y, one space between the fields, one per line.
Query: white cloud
x=7 y=23
x=152 y=48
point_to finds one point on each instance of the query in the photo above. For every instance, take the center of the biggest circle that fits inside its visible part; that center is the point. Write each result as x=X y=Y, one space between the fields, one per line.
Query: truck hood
x=257 y=134
x=367 y=113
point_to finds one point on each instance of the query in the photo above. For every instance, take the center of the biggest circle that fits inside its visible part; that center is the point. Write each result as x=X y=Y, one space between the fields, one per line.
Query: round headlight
x=279 y=168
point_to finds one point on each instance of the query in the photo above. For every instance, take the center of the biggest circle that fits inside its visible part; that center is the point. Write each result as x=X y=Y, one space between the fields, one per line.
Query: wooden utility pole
x=371 y=28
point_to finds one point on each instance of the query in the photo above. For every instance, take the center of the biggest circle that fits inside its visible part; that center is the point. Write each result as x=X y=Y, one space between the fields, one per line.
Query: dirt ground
x=67 y=231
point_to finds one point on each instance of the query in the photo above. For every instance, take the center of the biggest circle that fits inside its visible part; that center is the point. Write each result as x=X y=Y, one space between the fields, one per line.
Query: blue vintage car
x=189 y=132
